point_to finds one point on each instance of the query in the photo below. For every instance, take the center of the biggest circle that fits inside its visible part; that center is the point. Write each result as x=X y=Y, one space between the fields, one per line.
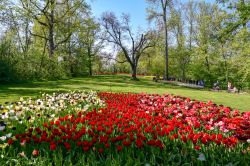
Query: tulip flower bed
x=16 y=117
x=120 y=129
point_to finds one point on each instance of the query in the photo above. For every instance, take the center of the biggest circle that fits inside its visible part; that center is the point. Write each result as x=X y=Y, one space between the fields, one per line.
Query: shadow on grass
x=115 y=83
x=125 y=81
x=106 y=81
x=33 y=89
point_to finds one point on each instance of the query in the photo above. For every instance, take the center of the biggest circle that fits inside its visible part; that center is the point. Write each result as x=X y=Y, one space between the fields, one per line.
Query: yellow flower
x=17 y=108
x=3 y=146
x=14 y=138
x=5 y=110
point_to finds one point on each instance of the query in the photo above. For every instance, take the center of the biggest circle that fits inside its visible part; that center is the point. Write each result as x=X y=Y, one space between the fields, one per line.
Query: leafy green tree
x=240 y=14
x=90 y=39
x=160 y=9
x=180 y=53
x=51 y=14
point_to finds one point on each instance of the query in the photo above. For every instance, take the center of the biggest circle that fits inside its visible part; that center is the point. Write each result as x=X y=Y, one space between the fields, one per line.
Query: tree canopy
x=189 y=40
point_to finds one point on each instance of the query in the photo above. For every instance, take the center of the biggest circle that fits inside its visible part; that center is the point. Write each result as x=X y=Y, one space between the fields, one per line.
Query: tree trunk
x=134 y=71
x=166 y=74
x=244 y=24
x=51 y=32
x=208 y=70
x=190 y=36
x=27 y=39
x=225 y=62
x=89 y=62
x=51 y=43
x=207 y=64
x=183 y=72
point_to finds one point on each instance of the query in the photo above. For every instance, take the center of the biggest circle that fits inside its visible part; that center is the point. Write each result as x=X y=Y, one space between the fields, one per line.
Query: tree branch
x=64 y=40
x=110 y=58
x=38 y=35
x=42 y=10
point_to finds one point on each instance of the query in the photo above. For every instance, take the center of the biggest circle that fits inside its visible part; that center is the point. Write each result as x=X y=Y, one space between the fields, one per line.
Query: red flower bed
x=140 y=121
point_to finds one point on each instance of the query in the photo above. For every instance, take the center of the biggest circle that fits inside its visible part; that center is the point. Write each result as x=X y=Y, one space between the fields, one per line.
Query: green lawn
x=121 y=83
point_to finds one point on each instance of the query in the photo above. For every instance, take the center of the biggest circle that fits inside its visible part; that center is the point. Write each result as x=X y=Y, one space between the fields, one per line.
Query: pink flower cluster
x=199 y=115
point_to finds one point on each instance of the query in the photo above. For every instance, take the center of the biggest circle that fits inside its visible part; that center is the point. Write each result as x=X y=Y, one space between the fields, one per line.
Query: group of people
x=230 y=87
x=216 y=85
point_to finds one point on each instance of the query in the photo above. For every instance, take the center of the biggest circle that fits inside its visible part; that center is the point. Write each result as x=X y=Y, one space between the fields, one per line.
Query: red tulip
x=35 y=152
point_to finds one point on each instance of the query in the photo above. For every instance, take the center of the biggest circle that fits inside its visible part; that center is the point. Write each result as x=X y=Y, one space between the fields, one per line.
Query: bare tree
x=120 y=34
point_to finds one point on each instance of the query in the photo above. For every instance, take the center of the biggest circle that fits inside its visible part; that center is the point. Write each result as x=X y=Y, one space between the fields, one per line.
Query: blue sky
x=136 y=9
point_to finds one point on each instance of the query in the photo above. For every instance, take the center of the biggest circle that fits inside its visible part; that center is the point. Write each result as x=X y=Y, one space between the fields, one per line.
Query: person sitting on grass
x=201 y=83
x=231 y=88
x=156 y=78
x=216 y=86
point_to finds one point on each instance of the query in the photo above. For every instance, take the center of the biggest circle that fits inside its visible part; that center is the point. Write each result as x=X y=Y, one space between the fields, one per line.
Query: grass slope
x=121 y=83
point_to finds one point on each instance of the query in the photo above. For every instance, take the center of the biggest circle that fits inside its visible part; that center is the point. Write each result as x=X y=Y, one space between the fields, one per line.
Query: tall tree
x=49 y=14
x=190 y=18
x=203 y=34
x=120 y=33
x=90 y=39
x=159 y=9
x=181 y=54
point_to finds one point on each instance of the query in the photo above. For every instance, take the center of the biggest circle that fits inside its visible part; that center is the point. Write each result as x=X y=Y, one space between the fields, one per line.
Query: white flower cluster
x=49 y=107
